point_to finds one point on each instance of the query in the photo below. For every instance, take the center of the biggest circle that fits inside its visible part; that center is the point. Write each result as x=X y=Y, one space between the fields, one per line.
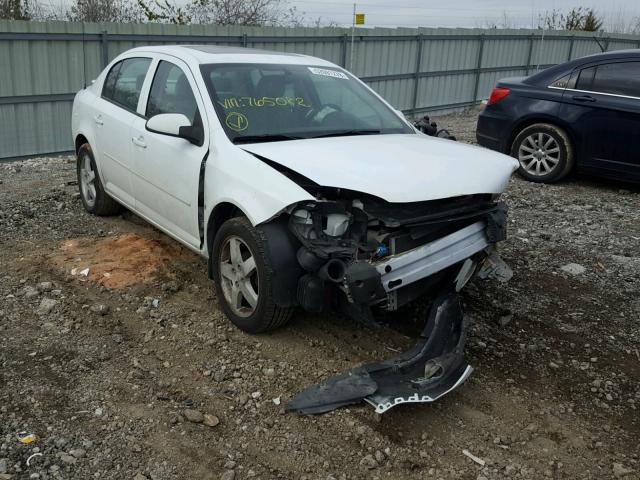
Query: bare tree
x=320 y=22
x=122 y=11
x=163 y=11
x=223 y=12
x=15 y=10
x=41 y=10
x=578 y=18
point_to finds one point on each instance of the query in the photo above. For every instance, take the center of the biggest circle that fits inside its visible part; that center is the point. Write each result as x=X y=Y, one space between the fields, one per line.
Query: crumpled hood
x=397 y=168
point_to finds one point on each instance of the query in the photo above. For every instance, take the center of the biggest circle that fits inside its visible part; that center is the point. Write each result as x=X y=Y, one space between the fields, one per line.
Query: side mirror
x=175 y=125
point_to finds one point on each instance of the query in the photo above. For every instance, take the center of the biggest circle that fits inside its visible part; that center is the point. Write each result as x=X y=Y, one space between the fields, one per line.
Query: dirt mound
x=115 y=262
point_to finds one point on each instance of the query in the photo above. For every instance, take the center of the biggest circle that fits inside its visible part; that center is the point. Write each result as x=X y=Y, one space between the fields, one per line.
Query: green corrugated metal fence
x=42 y=65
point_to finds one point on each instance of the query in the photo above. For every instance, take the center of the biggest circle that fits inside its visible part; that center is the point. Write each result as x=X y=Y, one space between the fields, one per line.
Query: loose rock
x=193 y=416
x=573 y=269
x=100 y=309
x=228 y=475
x=46 y=305
x=369 y=462
x=210 y=420
x=620 y=471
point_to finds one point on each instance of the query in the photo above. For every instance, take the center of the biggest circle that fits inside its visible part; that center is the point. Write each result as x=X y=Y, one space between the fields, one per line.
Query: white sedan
x=300 y=184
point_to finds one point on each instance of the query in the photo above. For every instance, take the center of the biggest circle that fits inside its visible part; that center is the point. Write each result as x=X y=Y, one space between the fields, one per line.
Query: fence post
x=416 y=76
x=478 y=70
x=573 y=37
x=345 y=43
x=244 y=40
x=530 y=54
x=104 y=48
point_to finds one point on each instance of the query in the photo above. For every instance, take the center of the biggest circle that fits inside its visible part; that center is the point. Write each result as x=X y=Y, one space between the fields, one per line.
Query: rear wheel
x=545 y=153
x=243 y=276
x=94 y=198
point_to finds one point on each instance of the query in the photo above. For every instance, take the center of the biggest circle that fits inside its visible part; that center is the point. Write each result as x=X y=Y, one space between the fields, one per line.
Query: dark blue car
x=583 y=115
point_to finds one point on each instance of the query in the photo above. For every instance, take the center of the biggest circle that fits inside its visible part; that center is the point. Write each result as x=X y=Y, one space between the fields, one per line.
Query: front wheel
x=243 y=274
x=544 y=152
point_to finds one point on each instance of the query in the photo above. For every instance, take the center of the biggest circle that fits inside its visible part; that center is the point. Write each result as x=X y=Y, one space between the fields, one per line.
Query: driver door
x=166 y=169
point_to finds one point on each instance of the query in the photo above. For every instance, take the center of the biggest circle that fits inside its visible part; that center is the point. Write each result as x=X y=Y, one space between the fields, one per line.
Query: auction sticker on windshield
x=328 y=73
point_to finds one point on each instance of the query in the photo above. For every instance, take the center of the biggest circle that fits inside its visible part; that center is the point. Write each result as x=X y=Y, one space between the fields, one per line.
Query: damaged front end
x=383 y=255
x=361 y=253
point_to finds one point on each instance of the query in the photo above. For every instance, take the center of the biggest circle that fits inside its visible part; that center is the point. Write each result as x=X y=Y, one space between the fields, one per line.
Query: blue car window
x=618 y=78
x=585 y=79
x=622 y=78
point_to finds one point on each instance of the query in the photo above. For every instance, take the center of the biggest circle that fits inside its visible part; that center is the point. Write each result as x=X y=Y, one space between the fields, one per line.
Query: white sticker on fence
x=328 y=73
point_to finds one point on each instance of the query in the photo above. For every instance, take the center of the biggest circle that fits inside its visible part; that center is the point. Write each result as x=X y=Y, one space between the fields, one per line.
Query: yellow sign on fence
x=359 y=18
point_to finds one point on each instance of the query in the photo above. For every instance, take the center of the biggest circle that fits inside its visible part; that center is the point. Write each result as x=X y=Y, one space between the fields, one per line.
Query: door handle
x=583 y=98
x=139 y=141
x=98 y=119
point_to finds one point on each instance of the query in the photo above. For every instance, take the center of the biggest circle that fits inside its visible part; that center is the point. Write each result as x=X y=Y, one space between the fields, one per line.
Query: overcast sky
x=457 y=13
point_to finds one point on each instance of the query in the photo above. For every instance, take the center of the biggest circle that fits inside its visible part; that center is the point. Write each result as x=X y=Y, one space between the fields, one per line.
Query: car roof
x=552 y=73
x=204 y=54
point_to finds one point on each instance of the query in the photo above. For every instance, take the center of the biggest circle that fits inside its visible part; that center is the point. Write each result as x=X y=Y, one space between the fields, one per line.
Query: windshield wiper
x=264 y=138
x=346 y=133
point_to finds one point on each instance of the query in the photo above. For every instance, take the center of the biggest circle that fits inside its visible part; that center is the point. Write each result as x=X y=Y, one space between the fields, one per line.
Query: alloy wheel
x=539 y=154
x=239 y=276
x=87 y=180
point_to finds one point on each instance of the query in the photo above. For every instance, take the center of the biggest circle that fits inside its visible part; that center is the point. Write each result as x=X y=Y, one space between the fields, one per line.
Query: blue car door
x=602 y=104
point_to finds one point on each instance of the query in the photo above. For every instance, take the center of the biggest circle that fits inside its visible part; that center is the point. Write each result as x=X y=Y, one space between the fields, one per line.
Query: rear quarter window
x=110 y=81
x=566 y=81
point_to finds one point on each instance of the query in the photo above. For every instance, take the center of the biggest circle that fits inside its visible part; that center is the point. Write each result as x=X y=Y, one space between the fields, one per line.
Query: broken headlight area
x=359 y=253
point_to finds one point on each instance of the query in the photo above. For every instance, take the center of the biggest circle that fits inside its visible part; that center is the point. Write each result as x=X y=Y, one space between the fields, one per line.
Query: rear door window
x=124 y=83
x=585 y=79
x=621 y=78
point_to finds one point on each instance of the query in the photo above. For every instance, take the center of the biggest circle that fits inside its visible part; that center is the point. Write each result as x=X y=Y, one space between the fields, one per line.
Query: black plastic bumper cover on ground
x=429 y=370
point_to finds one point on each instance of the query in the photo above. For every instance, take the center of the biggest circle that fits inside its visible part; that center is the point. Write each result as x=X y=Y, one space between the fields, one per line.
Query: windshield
x=266 y=102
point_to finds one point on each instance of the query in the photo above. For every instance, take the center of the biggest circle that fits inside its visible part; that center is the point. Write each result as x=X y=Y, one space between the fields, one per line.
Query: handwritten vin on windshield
x=243 y=102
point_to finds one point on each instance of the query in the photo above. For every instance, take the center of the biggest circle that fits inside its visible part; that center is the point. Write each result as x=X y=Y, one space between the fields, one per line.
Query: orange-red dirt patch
x=115 y=262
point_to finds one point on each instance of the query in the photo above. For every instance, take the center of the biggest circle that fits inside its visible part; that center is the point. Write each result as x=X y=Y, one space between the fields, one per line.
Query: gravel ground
x=131 y=372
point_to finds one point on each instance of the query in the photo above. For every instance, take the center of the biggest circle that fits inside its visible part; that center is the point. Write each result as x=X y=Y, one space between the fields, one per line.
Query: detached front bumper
x=432 y=368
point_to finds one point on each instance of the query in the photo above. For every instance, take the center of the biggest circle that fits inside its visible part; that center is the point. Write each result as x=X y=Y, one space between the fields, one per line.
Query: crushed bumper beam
x=432 y=368
x=403 y=269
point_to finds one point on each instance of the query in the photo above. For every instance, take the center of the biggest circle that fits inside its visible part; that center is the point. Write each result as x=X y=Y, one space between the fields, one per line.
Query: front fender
x=237 y=177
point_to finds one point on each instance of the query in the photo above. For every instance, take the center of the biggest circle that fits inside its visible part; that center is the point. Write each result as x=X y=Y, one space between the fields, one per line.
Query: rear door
x=167 y=169
x=604 y=108
x=115 y=113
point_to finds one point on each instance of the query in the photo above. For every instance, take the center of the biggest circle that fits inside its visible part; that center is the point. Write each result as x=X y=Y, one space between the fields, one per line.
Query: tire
x=95 y=200
x=545 y=153
x=264 y=315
